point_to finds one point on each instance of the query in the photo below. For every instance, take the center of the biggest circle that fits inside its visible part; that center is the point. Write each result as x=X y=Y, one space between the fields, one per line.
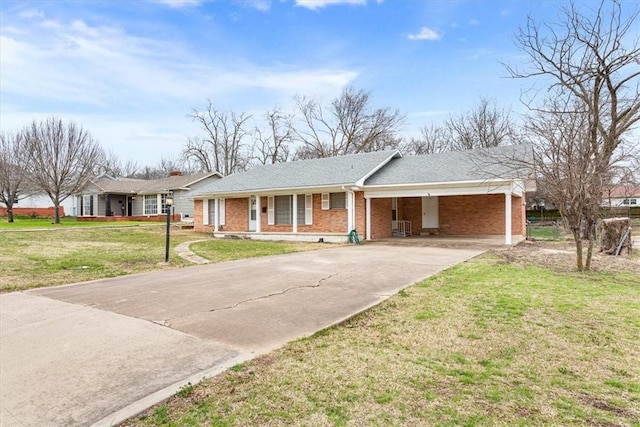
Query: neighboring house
x=129 y=198
x=379 y=194
x=40 y=205
x=622 y=196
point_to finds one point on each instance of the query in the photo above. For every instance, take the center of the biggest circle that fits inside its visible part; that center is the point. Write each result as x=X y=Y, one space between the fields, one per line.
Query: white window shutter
x=222 y=211
x=270 y=211
x=325 y=201
x=205 y=211
x=308 y=209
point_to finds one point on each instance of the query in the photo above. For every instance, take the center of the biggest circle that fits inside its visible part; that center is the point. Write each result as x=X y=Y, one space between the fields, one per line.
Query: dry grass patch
x=494 y=341
x=32 y=259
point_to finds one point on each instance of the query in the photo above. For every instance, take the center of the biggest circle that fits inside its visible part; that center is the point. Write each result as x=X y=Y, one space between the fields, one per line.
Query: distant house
x=379 y=194
x=128 y=198
x=622 y=196
x=40 y=205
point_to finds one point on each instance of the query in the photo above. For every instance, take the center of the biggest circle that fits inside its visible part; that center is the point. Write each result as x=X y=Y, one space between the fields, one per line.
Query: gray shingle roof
x=325 y=172
x=147 y=186
x=506 y=162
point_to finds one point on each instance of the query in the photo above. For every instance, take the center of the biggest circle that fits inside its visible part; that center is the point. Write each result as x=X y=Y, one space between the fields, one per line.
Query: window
x=337 y=200
x=163 y=203
x=334 y=201
x=282 y=209
x=211 y=204
x=150 y=204
x=301 y=209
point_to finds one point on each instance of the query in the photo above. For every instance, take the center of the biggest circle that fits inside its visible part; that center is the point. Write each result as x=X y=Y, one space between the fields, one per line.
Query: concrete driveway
x=99 y=352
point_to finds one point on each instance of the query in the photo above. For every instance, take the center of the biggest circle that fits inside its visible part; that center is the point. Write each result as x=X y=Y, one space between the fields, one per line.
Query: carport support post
x=216 y=216
x=294 y=222
x=368 y=218
x=258 y=212
x=507 y=218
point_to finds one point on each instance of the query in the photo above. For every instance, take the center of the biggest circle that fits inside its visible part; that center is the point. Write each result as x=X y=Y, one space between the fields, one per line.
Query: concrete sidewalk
x=102 y=351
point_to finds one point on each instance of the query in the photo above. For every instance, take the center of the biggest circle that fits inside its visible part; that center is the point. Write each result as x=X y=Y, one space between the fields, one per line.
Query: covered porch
x=474 y=210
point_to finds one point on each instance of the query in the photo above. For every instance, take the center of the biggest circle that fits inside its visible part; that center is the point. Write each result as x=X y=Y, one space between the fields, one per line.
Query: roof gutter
x=275 y=191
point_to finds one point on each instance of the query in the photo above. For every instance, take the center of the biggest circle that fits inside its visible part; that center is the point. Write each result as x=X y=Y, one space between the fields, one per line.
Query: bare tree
x=273 y=145
x=434 y=139
x=63 y=158
x=112 y=165
x=165 y=167
x=484 y=126
x=14 y=179
x=591 y=71
x=349 y=126
x=223 y=148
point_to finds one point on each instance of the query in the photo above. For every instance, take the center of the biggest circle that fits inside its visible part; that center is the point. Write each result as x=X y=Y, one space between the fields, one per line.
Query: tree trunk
x=9 y=213
x=57 y=216
x=587 y=265
x=591 y=235
x=576 y=237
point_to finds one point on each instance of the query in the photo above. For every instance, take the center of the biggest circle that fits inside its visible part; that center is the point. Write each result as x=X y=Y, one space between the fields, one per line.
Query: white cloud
x=176 y=4
x=318 y=4
x=425 y=33
x=126 y=89
x=474 y=22
x=261 y=5
x=31 y=14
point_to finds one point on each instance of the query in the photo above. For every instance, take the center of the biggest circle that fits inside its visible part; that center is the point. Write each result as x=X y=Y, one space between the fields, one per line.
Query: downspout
x=351 y=209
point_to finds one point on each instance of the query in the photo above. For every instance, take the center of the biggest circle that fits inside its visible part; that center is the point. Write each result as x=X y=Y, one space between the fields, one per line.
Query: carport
x=446 y=196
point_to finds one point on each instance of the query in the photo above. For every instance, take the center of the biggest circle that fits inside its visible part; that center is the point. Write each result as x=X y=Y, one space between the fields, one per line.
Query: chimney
x=175 y=173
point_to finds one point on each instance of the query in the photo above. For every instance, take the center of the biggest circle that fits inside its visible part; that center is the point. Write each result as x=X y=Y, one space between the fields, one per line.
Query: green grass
x=43 y=258
x=546 y=232
x=230 y=249
x=484 y=343
x=31 y=259
x=47 y=223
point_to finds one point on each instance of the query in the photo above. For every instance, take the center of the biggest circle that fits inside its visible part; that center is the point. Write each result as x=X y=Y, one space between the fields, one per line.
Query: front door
x=252 y=213
x=430 y=212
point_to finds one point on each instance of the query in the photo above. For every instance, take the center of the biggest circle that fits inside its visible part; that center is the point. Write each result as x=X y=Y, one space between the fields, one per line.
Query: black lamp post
x=168 y=202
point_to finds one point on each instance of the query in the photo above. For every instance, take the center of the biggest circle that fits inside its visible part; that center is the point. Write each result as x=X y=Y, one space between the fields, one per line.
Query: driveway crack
x=167 y=322
x=284 y=291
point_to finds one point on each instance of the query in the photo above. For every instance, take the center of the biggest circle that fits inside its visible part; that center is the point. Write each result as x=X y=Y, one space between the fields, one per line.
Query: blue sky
x=131 y=71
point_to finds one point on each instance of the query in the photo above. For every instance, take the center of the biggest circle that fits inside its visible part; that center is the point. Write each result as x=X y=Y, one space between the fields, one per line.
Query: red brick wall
x=518 y=215
x=237 y=217
x=145 y=218
x=380 y=218
x=328 y=221
x=198 y=219
x=410 y=209
x=236 y=214
x=466 y=215
x=480 y=214
x=49 y=212
x=458 y=215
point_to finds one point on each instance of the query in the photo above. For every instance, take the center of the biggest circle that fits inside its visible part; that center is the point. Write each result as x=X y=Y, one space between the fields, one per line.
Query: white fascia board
x=277 y=192
x=205 y=177
x=360 y=182
x=440 y=189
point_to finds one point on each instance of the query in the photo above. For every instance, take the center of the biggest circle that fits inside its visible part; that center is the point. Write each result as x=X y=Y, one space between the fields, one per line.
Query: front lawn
x=20 y=222
x=31 y=259
x=500 y=340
